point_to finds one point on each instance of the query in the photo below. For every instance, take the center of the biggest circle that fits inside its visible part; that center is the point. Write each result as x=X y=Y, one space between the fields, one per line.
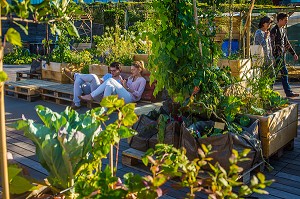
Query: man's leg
x=284 y=76
x=80 y=80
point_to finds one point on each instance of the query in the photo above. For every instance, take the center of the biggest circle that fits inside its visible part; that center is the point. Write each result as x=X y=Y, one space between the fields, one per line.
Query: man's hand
x=124 y=83
x=295 y=57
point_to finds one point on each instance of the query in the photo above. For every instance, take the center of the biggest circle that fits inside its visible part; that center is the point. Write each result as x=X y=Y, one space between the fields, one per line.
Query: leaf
x=13 y=37
x=13 y=172
x=159 y=180
x=20 y=185
x=3 y=76
x=25 y=29
x=125 y=132
x=72 y=30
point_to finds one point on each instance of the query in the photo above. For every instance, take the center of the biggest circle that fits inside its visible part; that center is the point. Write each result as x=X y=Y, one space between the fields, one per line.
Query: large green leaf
x=3 y=76
x=13 y=37
x=20 y=185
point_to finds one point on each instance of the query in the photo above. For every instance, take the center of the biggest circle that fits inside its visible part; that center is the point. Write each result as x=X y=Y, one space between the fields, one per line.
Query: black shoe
x=74 y=107
x=292 y=94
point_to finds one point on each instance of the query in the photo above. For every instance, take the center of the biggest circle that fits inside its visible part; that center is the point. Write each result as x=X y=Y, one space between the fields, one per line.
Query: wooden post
x=111 y=159
x=197 y=22
x=247 y=29
x=3 y=152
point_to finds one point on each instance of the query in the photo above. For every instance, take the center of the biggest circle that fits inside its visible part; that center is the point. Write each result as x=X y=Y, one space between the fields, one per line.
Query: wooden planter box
x=53 y=72
x=98 y=70
x=240 y=68
x=82 y=46
x=278 y=129
x=139 y=57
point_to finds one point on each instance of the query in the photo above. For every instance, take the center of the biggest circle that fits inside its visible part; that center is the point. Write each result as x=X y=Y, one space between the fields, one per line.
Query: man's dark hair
x=281 y=16
x=116 y=65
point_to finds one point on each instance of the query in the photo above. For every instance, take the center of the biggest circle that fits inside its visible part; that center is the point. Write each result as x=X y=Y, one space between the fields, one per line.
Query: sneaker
x=68 y=73
x=292 y=94
x=86 y=98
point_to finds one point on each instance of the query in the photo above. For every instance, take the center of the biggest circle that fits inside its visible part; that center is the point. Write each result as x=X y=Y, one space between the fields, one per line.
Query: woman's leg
x=111 y=86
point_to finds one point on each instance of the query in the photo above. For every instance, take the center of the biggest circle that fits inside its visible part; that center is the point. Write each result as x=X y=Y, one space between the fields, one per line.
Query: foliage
x=175 y=60
x=67 y=143
x=19 y=56
x=63 y=142
x=17 y=182
x=168 y=162
x=117 y=45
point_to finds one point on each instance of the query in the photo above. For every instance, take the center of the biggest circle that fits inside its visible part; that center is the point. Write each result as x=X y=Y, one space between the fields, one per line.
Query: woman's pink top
x=138 y=87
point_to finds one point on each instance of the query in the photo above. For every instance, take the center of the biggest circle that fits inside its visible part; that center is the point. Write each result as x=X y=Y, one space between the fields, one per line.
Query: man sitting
x=87 y=83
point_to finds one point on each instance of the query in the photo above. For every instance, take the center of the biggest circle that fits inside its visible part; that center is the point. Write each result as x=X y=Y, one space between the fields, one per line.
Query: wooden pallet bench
x=27 y=75
x=133 y=158
x=24 y=89
x=59 y=94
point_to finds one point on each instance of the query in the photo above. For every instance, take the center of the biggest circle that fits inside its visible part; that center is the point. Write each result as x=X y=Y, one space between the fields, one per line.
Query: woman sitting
x=130 y=91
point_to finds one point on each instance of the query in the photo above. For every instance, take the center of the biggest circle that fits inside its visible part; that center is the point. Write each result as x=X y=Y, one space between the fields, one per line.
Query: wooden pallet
x=27 y=75
x=59 y=94
x=132 y=158
x=24 y=89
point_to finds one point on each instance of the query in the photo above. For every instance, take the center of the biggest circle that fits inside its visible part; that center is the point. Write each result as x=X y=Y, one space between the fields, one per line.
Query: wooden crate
x=59 y=94
x=27 y=75
x=139 y=57
x=222 y=28
x=25 y=89
x=240 y=68
x=81 y=46
x=53 y=72
x=99 y=70
x=278 y=129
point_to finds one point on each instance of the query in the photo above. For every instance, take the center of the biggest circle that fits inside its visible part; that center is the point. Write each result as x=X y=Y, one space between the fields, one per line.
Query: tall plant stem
x=197 y=23
x=4 y=170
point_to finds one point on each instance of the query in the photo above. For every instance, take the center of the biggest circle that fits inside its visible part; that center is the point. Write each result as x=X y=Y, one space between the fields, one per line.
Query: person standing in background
x=280 y=45
x=262 y=37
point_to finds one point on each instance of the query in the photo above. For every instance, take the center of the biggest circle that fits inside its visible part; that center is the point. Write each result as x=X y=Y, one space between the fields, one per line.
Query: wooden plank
x=288 y=176
x=281 y=194
x=21 y=145
x=283 y=181
x=29 y=163
x=21 y=151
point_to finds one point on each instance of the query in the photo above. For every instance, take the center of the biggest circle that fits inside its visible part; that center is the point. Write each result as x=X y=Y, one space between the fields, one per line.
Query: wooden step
x=27 y=75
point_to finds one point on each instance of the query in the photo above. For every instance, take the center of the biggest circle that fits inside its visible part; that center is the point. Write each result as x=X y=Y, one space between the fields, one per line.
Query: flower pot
x=278 y=129
x=53 y=72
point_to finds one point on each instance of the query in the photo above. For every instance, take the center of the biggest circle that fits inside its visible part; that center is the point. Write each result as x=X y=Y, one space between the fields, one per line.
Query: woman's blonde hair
x=139 y=64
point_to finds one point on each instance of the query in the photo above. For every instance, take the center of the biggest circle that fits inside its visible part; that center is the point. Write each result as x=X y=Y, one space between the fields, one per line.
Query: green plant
x=16 y=179
x=182 y=52
x=168 y=162
x=116 y=45
x=19 y=56
x=69 y=142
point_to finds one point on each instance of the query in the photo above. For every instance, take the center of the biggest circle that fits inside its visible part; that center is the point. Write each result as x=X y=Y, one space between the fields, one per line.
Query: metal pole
x=3 y=152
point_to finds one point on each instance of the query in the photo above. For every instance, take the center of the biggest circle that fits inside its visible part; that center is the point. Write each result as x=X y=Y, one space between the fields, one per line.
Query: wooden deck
x=286 y=169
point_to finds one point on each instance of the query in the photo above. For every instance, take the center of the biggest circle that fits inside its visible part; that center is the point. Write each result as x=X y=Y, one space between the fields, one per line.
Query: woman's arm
x=137 y=88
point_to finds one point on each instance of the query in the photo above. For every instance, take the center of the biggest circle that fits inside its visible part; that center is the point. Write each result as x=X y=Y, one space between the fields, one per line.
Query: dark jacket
x=280 y=42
